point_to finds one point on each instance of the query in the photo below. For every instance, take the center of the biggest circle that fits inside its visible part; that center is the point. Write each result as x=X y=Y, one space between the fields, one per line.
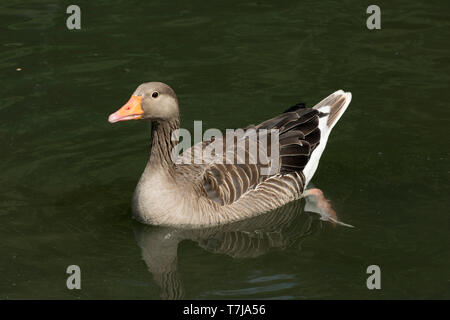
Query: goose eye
x=155 y=94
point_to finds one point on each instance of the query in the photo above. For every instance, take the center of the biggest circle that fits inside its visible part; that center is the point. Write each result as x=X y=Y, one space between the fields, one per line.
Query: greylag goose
x=179 y=192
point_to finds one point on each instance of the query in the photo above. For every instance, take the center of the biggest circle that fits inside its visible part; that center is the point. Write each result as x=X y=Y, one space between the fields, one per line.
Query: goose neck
x=162 y=143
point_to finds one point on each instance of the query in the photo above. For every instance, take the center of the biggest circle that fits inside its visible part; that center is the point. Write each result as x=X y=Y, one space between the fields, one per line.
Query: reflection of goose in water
x=278 y=229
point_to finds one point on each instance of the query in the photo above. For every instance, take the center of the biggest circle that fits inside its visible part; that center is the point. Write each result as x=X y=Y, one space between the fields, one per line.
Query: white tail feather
x=334 y=105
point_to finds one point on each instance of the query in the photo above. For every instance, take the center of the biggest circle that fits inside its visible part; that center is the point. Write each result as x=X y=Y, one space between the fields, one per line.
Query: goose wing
x=225 y=175
x=228 y=167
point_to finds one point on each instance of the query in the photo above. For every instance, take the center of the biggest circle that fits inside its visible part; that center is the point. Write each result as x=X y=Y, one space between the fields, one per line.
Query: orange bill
x=132 y=110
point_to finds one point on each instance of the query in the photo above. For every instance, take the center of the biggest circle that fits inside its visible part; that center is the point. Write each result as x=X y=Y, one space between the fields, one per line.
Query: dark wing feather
x=299 y=135
x=296 y=107
x=232 y=183
x=298 y=126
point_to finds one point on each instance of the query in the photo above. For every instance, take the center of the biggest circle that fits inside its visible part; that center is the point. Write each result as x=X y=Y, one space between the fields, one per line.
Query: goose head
x=154 y=101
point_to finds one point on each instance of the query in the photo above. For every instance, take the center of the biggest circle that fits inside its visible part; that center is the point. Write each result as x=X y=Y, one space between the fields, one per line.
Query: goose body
x=214 y=192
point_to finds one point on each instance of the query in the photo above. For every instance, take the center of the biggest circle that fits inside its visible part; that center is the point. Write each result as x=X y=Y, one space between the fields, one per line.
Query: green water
x=67 y=175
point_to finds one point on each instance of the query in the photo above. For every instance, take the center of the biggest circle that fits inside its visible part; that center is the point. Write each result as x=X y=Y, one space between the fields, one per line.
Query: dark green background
x=67 y=175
